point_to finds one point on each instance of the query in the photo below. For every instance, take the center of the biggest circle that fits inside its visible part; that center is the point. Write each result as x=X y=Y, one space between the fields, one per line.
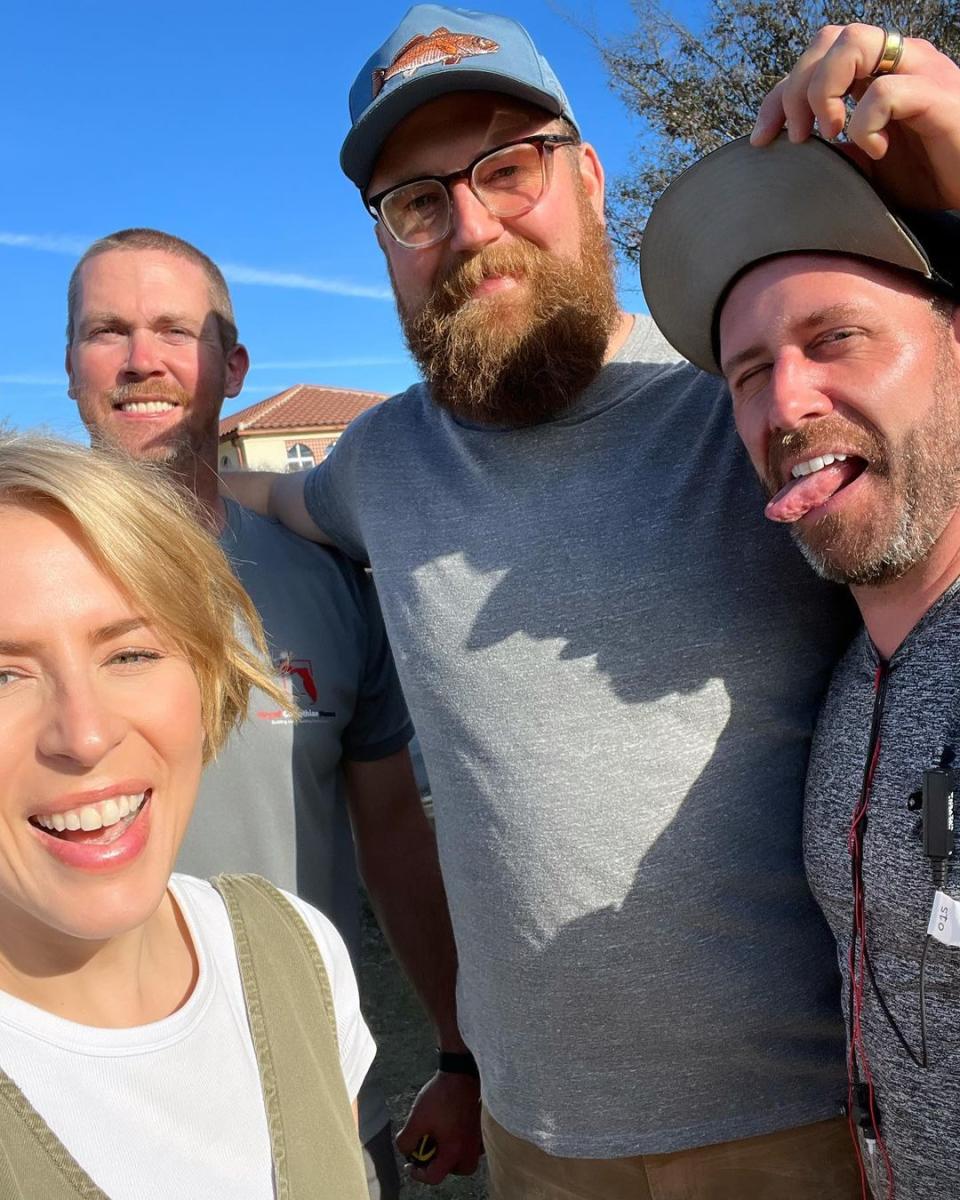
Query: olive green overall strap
x=313 y=1133
x=34 y=1162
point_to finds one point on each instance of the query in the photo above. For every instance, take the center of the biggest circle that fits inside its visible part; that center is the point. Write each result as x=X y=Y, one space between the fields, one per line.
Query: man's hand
x=448 y=1109
x=904 y=132
x=397 y=853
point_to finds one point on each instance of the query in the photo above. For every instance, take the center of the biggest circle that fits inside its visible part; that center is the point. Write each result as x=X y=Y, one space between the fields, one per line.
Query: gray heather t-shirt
x=273 y=802
x=919 y=699
x=613 y=662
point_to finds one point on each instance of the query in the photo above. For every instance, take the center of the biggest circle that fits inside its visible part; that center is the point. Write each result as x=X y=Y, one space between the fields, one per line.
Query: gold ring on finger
x=890 y=55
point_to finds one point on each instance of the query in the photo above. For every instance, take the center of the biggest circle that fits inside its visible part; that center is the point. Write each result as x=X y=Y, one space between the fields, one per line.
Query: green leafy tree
x=693 y=91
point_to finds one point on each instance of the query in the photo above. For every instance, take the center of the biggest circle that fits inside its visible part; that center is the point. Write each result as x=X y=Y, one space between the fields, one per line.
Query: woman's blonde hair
x=146 y=535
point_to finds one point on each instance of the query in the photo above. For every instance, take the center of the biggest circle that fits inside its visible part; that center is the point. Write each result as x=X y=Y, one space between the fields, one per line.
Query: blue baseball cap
x=435 y=50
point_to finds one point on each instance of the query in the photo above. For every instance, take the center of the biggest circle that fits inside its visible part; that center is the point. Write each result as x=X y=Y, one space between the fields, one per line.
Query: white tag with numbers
x=945 y=920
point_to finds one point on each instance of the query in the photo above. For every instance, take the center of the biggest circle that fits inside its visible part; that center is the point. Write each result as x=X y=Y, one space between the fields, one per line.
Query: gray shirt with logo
x=273 y=802
x=916 y=699
x=613 y=662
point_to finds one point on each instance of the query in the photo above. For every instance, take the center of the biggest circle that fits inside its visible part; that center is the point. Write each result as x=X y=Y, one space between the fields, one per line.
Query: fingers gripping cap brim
x=744 y=203
x=363 y=143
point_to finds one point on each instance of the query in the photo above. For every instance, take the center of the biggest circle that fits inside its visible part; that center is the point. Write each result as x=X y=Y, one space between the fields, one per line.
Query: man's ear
x=237 y=364
x=946 y=312
x=591 y=174
x=955 y=320
x=68 y=367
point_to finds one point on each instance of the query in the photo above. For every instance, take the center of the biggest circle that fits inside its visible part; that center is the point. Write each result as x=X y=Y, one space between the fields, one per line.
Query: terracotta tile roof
x=303 y=407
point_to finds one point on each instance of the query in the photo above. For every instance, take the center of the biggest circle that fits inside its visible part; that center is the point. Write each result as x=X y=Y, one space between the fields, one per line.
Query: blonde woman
x=159 y=1039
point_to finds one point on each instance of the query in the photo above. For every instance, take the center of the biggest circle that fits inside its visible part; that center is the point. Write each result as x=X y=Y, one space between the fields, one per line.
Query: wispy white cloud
x=34 y=380
x=235 y=273
x=28 y=379
x=52 y=243
x=70 y=244
x=326 y=364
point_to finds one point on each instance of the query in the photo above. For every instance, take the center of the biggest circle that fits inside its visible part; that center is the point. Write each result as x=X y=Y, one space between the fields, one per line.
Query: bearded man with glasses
x=613 y=662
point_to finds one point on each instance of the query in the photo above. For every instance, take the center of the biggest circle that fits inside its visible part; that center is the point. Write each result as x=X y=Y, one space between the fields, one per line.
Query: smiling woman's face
x=102 y=743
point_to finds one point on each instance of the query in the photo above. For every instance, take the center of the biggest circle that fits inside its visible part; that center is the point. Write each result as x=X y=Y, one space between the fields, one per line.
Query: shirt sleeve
x=357 y=1047
x=380 y=724
x=330 y=490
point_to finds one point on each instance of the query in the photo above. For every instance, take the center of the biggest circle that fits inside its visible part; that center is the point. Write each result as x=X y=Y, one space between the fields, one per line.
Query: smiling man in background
x=152 y=352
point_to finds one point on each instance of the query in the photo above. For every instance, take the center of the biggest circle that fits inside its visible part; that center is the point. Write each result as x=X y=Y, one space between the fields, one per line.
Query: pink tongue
x=797 y=498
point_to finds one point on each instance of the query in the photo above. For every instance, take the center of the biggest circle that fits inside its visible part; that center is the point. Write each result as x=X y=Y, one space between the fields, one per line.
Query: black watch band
x=457 y=1064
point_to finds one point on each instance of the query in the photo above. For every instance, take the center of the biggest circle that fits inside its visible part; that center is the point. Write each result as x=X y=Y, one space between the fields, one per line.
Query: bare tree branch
x=693 y=92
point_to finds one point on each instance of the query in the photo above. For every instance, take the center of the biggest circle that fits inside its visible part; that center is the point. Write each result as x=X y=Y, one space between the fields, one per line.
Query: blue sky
x=222 y=122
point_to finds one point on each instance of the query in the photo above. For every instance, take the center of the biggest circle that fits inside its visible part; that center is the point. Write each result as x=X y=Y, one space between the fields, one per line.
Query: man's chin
x=494 y=326
x=165 y=455
x=514 y=369
x=161 y=448
x=870 y=560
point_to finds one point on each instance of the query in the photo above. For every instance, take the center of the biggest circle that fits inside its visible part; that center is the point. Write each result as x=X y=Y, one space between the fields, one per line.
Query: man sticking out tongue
x=812 y=483
x=832 y=315
x=831 y=310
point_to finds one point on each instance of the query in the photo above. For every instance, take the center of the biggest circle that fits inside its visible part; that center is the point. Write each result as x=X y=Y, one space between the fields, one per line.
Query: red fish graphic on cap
x=426 y=49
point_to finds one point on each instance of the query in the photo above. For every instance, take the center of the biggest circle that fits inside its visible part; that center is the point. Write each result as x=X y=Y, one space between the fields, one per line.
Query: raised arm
x=904 y=132
x=274 y=495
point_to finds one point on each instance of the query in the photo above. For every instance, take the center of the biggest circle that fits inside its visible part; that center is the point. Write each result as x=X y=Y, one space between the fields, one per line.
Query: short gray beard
x=929 y=462
x=907 y=546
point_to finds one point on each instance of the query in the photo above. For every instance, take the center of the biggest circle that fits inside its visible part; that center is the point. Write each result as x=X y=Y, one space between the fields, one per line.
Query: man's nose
x=79 y=725
x=473 y=225
x=143 y=357
x=797 y=393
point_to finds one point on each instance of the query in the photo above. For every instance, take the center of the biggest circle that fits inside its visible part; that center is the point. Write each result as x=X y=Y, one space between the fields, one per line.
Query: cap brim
x=363 y=143
x=744 y=203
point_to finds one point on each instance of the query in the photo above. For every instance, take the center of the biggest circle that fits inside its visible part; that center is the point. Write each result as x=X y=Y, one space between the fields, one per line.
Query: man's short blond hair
x=155 y=239
x=145 y=534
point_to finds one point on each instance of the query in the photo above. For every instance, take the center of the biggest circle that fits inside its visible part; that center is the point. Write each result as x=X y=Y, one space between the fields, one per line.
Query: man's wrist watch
x=457 y=1064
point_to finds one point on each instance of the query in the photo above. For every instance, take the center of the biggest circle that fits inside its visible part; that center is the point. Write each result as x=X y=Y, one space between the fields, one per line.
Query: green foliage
x=695 y=91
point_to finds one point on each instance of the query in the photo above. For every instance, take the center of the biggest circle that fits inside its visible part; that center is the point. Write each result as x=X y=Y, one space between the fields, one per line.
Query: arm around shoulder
x=274 y=495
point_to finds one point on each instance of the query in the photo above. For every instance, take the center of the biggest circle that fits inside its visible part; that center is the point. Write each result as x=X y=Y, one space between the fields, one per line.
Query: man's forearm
x=406 y=891
x=248 y=488
x=274 y=495
x=397 y=856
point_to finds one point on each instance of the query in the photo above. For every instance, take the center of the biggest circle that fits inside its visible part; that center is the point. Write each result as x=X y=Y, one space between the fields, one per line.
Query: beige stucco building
x=290 y=431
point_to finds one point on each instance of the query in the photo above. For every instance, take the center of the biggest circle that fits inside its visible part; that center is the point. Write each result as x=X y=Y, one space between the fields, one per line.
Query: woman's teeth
x=91 y=816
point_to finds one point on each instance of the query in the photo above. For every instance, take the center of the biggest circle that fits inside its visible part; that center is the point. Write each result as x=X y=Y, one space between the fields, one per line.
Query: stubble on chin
x=176 y=449
x=917 y=491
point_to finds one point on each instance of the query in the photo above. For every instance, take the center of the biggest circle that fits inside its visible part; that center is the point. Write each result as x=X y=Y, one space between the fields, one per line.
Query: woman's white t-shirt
x=173 y=1110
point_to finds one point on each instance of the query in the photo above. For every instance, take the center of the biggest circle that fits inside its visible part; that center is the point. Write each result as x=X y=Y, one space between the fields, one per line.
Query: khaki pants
x=813 y=1162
